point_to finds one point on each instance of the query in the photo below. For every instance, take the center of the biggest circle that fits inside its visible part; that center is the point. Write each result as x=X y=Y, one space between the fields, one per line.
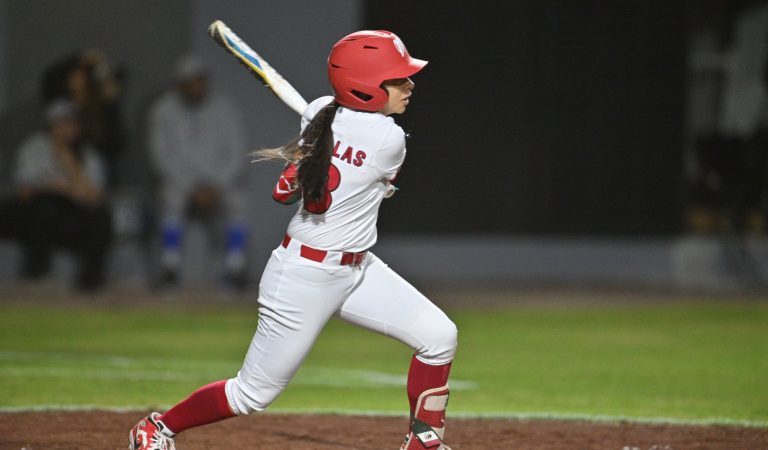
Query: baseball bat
x=257 y=65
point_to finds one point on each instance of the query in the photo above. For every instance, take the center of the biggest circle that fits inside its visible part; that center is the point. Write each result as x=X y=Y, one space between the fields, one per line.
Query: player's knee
x=246 y=398
x=441 y=347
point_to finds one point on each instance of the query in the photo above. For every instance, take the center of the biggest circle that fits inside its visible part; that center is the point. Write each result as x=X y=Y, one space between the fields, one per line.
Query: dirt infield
x=109 y=430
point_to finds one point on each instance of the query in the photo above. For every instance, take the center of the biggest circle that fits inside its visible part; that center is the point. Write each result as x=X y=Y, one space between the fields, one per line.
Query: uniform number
x=321 y=206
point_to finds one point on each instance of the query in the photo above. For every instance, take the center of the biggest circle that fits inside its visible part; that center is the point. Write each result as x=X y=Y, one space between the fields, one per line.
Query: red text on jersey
x=349 y=154
x=322 y=205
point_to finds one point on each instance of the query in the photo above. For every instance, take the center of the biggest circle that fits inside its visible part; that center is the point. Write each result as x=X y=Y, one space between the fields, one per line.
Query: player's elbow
x=285 y=198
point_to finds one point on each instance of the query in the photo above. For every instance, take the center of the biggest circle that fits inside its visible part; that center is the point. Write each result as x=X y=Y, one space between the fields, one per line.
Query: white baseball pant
x=297 y=297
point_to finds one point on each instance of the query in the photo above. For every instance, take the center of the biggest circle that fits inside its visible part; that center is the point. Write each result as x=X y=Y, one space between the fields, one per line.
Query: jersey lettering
x=347 y=156
x=359 y=157
x=364 y=147
x=321 y=206
x=334 y=178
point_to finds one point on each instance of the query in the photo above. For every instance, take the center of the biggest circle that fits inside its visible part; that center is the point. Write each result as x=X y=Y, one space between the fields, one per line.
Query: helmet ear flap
x=377 y=100
x=362 y=96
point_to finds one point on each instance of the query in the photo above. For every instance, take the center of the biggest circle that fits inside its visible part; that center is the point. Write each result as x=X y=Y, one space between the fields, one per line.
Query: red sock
x=206 y=405
x=421 y=377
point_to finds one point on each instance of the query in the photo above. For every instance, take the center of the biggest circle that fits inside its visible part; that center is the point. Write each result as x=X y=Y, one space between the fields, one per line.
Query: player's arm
x=287 y=190
x=389 y=159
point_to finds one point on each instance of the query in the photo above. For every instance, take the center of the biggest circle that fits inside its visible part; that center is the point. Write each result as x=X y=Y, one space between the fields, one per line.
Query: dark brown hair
x=311 y=152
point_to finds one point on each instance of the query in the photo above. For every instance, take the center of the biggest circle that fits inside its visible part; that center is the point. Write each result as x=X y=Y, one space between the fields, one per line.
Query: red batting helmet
x=360 y=62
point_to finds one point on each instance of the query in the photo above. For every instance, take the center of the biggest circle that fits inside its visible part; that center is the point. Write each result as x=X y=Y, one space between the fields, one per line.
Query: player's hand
x=391 y=189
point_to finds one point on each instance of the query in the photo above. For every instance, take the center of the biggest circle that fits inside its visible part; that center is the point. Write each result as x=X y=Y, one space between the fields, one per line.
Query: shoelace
x=159 y=441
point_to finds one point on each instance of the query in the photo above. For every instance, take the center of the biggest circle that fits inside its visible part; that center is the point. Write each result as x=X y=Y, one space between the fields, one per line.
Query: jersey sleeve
x=287 y=190
x=313 y=108
x=390 y=157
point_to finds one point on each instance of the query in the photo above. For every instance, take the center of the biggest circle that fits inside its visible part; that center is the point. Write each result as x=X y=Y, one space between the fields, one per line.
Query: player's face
x=399 y=91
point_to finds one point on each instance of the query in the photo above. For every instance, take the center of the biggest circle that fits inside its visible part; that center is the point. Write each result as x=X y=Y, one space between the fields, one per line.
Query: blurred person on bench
x=59 y=199
x=197 y=147
x=95 y=86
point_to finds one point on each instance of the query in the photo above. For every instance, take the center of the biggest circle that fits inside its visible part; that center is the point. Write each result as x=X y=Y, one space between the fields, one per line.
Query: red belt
x=347 y=258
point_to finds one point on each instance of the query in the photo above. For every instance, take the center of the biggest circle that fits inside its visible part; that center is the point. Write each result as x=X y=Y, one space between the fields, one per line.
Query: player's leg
x=384 y=302
x=297 y=297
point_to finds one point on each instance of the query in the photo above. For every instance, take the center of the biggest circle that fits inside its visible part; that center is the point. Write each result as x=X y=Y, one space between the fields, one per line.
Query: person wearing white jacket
x=197 y=147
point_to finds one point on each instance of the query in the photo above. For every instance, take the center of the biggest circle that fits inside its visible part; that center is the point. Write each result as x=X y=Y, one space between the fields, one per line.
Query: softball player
x=339 y=171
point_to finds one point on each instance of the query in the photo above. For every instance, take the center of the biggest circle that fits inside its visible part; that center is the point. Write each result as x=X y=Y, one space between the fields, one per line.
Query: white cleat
x=148 y=435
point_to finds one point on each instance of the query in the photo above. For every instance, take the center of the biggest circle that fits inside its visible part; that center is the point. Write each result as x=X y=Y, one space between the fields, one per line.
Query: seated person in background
x=95 y=86
x=60 y=199
x=197 y=147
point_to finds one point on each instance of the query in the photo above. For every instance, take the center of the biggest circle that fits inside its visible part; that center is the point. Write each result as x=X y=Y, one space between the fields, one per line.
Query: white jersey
x=369 y=149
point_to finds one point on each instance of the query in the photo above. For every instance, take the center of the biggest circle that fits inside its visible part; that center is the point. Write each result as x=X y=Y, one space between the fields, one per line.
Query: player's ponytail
x=316 y=146
x=311 y=151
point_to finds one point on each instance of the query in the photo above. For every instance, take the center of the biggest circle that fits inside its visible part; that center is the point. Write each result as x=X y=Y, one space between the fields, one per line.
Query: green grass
x=681 y=361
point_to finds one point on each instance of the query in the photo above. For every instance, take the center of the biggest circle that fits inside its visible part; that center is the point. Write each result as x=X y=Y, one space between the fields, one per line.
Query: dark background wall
x=147 y=38
x=143 y=37
x=533 y=116
x=536 y=123
x=541 y=117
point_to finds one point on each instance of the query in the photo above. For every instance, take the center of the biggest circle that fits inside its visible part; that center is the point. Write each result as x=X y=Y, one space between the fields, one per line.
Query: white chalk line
x=309 y=375
x=568 y=417
x=132 y=369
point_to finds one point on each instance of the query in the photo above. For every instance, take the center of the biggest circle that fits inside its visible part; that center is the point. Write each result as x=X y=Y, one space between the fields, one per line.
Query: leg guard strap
x=428 y=424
